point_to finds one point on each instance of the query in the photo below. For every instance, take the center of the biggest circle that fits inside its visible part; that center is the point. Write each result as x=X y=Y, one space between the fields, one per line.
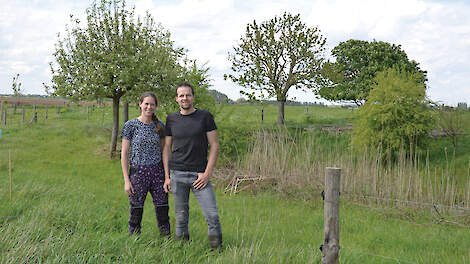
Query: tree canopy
x=352 y=75
x=276 y=55
x=116 y=54
x=16 y=85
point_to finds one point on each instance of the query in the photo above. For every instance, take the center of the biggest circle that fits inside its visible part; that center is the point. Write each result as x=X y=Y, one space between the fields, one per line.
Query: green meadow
x=68 y=205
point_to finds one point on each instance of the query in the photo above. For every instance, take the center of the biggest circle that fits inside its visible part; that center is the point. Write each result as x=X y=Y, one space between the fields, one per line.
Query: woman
x=142 y=142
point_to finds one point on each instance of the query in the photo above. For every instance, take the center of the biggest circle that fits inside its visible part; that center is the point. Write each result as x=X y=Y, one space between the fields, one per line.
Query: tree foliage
x=16 y=85
x=116 y=54
x=396 y=113
x=276 y=55
x=352 y=75
x=453 y=123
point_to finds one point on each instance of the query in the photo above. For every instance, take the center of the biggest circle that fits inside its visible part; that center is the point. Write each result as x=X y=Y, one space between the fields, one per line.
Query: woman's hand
x=167 y=185
x=128 y=188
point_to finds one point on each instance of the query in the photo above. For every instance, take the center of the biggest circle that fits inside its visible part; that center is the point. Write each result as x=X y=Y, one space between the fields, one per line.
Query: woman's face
x=148 y=106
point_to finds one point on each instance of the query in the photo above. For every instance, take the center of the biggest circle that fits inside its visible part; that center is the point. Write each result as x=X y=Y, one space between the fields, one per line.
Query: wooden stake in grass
x=9 y=168
x=22 y=113
x=330 y=247
x=35 y=115
x=102 y=120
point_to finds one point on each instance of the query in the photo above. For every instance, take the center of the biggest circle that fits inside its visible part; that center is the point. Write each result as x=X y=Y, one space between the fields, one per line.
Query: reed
x=292 y=161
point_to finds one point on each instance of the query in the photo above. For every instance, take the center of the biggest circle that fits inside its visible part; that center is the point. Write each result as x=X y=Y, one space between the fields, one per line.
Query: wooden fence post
x=46 y=112
x=58 y=109
x=5 y=116
x=330 y=247
x=1 y=111
x=9 y=169
x=35 y=116
x=22 y=113
x=102 y=120
x=87 y=113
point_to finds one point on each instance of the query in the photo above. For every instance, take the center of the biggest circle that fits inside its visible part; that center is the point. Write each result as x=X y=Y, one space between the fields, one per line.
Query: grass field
x=68 y=206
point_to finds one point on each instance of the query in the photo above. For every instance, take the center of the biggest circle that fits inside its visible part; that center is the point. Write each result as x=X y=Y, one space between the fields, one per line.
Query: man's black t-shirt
x=189 y=148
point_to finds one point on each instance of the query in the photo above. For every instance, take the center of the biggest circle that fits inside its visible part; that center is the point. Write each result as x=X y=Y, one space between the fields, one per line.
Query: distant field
x=68 y=206
x=300 y=116
x=22 y=100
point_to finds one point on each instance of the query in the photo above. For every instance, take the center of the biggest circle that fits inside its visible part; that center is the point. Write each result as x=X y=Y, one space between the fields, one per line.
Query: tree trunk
x=126 y=112
x=280 y=114
x=115 y=125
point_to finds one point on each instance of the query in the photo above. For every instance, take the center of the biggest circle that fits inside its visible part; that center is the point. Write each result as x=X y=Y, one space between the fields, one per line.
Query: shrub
x=395 y=115
x=233 y=143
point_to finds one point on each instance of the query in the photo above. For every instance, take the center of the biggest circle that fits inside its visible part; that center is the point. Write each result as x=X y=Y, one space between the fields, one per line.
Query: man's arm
x=166 y=157
x=203 y=178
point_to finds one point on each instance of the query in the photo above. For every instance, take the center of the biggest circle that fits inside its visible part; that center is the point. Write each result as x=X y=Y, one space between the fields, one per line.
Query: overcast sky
x=434 y=33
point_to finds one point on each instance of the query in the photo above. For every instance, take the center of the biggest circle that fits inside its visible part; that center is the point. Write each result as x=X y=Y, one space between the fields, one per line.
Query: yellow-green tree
x=396 y=113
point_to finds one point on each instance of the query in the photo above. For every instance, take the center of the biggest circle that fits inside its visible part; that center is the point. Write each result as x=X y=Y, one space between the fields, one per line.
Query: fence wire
x=455 y=207
x=379 y=256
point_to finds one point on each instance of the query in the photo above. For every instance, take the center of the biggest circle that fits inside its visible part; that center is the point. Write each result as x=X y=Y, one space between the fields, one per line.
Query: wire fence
x=397 y=260
x=435 y=205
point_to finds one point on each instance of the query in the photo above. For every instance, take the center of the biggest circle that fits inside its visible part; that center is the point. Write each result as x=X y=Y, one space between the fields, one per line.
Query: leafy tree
x=276 y=55
x=220 y=98
x=453 y=122
x=16 y=85
x=352 y=75
x=240 y=100
x=396 y=113
x=114 y=55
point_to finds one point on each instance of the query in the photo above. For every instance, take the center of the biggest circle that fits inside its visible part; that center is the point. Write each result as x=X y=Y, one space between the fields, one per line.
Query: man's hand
x=128 y=188
x=167 y=185
x=202 y=180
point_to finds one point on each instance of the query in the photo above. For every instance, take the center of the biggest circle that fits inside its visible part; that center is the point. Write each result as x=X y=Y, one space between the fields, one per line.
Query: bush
x=233 y=143
x=395 y=115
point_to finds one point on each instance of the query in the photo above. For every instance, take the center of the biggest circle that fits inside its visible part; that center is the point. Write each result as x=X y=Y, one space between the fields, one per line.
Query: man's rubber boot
x=183 y=238
x=215 y=241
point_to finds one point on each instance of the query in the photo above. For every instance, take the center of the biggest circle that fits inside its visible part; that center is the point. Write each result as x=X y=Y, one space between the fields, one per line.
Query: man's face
x=184 y=97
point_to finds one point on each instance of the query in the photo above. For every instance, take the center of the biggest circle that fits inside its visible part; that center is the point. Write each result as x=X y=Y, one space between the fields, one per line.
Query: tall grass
x=295 y=162
x=68 y=206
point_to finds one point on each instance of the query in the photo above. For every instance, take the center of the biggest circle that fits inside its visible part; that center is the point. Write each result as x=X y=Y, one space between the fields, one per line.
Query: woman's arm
x=125 y=166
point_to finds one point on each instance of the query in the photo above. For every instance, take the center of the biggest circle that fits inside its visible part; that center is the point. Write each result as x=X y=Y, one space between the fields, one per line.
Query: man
x=187 y=167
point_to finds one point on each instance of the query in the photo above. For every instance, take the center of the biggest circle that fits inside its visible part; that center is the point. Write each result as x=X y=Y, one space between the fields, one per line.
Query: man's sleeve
x=167 y=127
x=210 y=123
x=163 y=127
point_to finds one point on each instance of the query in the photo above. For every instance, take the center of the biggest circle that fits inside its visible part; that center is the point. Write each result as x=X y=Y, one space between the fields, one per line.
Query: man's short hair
x=184 y=85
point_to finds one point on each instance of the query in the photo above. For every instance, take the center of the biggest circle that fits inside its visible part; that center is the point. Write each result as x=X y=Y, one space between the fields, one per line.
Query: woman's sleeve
x=127 y=131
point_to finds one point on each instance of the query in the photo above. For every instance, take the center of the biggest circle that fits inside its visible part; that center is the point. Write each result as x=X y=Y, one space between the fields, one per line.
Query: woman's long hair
x=159 y=129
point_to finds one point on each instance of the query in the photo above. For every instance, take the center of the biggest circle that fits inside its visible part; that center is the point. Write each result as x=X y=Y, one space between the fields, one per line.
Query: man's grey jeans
x=181 y=183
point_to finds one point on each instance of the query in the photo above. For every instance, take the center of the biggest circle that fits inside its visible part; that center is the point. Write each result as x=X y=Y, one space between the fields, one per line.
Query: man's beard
x=186 y=107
